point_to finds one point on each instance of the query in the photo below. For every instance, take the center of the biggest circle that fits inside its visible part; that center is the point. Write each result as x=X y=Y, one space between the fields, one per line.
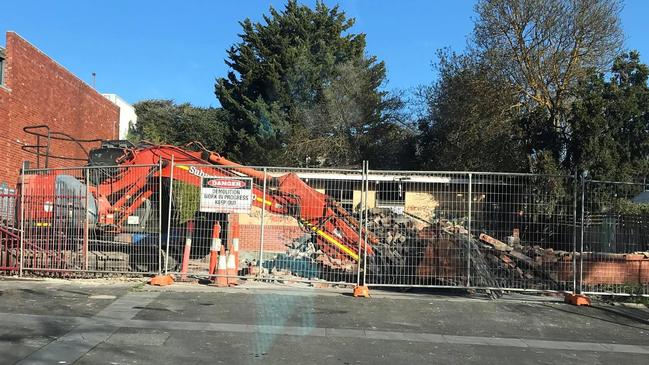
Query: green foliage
x=627 y=207
x=469 y=124
x=610 y=122
x=475 y=121
x=551 y=195
x=545 y=48
x=507 y=104
x=335 y=131
x=288 y=76
x=164 y=122
x=186 y=200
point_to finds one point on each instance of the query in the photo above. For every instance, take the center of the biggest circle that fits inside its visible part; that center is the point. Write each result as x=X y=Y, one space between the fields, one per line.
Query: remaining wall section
x=37 y=90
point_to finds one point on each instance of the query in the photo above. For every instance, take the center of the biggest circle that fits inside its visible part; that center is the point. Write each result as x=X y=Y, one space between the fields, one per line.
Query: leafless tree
x=544 y=47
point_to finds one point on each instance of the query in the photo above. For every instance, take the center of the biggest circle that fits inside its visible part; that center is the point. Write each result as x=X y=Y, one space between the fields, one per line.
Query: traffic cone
x=361 y=291
x=188 y=247
x=221 y=272
x=232 y=271
x=215 y=248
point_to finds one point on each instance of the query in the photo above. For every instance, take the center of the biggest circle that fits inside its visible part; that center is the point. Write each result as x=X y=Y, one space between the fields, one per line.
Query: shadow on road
x=607 y=315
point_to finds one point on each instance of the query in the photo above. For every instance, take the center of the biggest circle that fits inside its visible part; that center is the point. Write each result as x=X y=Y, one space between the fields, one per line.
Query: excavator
x=115 y=190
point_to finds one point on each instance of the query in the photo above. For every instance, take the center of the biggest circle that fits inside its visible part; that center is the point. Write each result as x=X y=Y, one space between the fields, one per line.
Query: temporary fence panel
x=314 y=234
x=379 y=228
x=91 y=219
x=417 y=228
x=525 y=226
x=614 y=257
x=207 y=206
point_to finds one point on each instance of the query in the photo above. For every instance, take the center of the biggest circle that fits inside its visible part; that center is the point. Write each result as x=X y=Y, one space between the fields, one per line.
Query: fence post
x=468 y=252
x=160 y=216
x=574 y=234
x=366 y=212
x=86 y=232
x=22 y=219
x=171 y=189
x=581 y=249
x=360 y=227
x=261 y=233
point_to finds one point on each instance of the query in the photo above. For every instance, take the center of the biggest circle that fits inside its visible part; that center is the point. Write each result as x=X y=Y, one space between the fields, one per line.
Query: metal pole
x=86 y=224
x=367 y=185
x=38 y=151
x=47 y=151
x=468 y=246
x=22 y=219
x=360 y=227
x=581 y=250
x=574 y=234
x=170 y=204
x=160 y=216
x=261 y=233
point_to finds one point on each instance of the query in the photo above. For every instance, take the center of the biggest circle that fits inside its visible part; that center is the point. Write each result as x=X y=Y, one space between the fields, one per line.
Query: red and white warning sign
x=226 y=194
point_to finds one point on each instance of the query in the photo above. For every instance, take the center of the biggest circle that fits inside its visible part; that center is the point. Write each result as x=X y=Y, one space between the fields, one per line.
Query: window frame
x=390 y=194
x=342 y=192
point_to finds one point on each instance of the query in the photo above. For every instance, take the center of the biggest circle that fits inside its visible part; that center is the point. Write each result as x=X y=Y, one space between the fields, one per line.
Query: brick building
x=34 y=90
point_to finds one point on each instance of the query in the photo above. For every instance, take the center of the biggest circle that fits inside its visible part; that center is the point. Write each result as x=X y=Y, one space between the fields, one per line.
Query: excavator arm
x=337 y=232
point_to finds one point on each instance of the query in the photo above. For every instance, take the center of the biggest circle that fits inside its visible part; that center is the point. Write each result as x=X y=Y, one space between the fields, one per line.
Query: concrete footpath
x=107 y=322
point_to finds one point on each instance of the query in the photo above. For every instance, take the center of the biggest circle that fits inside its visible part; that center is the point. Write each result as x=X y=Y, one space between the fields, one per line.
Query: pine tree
x=282 y=68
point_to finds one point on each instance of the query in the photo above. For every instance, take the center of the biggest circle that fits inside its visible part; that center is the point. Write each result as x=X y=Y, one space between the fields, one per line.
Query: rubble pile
x=414 y=252
x=411 y=251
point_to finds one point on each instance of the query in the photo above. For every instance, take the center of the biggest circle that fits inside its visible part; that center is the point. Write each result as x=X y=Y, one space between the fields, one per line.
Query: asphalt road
x=101 y=322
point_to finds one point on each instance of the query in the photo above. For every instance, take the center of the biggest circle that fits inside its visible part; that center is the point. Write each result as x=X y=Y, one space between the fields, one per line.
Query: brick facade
x=276 y=238
x=37 y=90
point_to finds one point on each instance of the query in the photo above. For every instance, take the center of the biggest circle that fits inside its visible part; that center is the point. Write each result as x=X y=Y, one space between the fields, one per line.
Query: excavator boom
x=337 y=232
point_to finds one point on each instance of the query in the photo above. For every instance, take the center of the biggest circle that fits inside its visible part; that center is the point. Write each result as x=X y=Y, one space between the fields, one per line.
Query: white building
x=127 y=114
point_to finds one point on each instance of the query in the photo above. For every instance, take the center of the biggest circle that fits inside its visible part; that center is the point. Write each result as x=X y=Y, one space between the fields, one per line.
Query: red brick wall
x=275 y=237
x=37 y=90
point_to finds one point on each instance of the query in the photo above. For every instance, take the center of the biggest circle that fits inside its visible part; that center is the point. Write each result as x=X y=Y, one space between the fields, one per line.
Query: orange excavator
x=118 y=189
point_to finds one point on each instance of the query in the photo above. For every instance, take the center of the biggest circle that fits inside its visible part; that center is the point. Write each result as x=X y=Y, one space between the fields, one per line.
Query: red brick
x=37 y=90
x=276 y=238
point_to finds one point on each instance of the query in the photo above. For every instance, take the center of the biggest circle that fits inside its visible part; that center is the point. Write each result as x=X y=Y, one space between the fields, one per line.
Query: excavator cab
x=108 y=154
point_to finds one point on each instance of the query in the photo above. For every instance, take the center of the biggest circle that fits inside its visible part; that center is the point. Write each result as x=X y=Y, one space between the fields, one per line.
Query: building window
x=390 y=194
x=341 y=192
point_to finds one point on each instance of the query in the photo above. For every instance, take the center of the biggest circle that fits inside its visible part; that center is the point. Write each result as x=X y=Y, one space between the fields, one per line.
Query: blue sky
x=175 y=49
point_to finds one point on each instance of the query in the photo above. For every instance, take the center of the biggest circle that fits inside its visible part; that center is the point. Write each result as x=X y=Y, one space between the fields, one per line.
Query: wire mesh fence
x=419 y=223
x=528 y=223
x=317 y=236
x=207 y=205
x=614 y=255
x=99 y=219
x=481 y=230
x=349 y=226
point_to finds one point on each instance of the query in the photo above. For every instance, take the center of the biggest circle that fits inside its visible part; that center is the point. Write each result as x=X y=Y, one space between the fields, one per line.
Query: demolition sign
x=226 y=194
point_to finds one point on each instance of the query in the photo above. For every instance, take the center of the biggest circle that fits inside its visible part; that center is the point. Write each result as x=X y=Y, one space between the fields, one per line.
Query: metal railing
x=496 y=231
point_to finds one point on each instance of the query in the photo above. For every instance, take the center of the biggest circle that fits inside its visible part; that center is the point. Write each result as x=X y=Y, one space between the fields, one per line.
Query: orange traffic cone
x=232 y=271
x=215 y=248
x=221 y=272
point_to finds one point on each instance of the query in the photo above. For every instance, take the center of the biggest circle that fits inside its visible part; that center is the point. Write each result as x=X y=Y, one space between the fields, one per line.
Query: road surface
x=104 y=322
